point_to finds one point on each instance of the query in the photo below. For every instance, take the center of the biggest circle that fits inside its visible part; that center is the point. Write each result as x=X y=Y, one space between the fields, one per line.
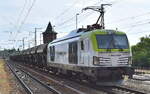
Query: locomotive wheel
x=69 y=73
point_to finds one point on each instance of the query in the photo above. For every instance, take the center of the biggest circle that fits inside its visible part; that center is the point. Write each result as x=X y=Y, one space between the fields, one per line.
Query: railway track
x=57 y=84
x=31 y=84
x=117 y=89
x=138 y=84
x=105 y=90
x=125 y=90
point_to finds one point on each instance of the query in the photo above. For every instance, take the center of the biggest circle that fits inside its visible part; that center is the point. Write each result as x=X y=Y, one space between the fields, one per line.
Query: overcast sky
x=18 y=18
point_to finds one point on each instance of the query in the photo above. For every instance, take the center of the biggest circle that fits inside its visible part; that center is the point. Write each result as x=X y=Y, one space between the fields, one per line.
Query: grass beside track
x=8 y=84
x=5 y=87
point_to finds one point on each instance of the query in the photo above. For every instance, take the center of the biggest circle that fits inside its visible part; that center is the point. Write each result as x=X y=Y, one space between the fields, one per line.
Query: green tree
x=141 y=52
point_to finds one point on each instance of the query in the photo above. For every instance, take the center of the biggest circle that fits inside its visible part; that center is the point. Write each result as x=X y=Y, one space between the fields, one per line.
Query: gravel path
x=8 y=83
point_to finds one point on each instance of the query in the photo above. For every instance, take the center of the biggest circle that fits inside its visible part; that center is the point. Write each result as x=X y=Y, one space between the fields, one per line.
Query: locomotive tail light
x=96 y=60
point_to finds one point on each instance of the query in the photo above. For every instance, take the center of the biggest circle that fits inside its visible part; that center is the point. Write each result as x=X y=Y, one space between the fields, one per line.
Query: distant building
x=49 y=35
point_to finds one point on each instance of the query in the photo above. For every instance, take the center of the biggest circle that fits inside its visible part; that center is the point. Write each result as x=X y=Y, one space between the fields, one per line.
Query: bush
x=141 y=53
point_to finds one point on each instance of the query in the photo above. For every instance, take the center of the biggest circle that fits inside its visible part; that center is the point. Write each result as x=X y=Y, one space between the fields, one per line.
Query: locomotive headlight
x=96 y=60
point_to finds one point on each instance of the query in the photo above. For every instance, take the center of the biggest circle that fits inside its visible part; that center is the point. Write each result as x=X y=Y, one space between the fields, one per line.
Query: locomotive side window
x=52 y=53
x=73 y=55
x=82 y=45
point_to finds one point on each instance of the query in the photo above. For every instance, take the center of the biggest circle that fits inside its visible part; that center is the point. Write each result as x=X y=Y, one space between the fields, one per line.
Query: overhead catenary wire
x=66 y=10
x=64 y=23
x=13 y=24
x=25 y=18
x=140 y=31
x=9 y=21
x=137 y=24
x=22 y=11
x=19 y=17
x=134 y=26
x=132 y=17
x=141 y=22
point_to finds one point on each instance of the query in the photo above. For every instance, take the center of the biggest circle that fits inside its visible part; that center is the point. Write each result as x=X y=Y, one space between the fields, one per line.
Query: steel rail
x=107 y=89
x=27 y=89
x=43 y=84
x=128 y=89
x=55 y=81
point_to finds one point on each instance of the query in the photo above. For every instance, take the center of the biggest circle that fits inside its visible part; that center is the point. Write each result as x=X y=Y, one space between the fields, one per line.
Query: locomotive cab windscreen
x=112 y=41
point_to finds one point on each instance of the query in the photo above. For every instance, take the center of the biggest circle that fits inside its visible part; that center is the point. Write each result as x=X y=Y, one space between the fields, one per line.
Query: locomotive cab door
x=73 y=53
x=85 y=52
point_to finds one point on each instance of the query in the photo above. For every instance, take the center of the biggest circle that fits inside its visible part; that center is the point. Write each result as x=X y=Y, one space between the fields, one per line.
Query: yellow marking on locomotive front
x=92 y=35
x=101 y=32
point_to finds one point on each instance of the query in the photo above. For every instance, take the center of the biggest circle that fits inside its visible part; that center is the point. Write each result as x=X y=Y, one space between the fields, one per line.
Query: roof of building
x=49 y=29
